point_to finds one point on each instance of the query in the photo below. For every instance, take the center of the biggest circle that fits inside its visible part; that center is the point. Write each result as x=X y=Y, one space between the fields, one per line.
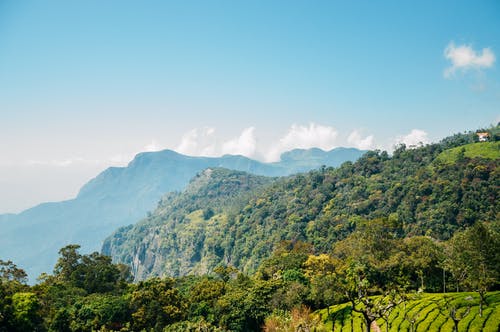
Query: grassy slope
x=489 y=150
x=429 y=313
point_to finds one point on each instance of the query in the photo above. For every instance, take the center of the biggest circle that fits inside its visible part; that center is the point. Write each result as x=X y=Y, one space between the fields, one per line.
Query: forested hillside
x=350 y=248
x=432 y=190
x=183 y=235
x=120 y=196
x=371 y=277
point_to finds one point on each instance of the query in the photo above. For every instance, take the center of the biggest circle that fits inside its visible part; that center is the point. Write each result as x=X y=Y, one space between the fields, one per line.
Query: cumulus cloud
x=198 y=142
x=415 y=138
x=310 y=136
x=357 y=141
x=464 y=57
x=204 y=142
x=303 y=137
x=245 y=144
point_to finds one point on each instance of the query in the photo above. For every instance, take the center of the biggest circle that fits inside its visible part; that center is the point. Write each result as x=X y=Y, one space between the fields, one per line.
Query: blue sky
x=85 y=85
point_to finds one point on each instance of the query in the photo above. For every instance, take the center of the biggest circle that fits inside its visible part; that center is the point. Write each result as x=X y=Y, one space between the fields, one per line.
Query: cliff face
x=182 y=235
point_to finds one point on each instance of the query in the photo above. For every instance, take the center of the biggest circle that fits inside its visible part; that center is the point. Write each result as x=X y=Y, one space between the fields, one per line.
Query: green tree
x=98 y=311
x=288 y=255
x=95 y=273
x=56 y=301
x=67 y=263
x=202 y=297
x=320 y=270
x=422 y=257
x=358 y=290
x=25 y=311
x=10 y=272
x=61 y=321
x=12 y=285
x=367 y=267
x=225 y=273
x=156 y=303
x=472 y=257
x=6 y=320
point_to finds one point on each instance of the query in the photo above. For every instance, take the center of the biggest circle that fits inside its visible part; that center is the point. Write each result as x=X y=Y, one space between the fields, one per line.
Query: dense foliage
x=183 y=236
x=431 y=190
x=236 y=252
x=120 y=196
x=376 y=272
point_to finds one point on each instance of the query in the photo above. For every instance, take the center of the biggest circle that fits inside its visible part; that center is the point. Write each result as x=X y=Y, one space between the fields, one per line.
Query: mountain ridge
x=119 y=196
x=413 y=190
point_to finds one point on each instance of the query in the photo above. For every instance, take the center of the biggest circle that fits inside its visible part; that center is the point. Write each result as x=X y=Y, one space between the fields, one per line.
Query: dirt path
x=374 y=327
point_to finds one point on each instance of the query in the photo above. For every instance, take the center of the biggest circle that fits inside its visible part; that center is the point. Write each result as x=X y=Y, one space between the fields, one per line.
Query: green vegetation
x=120 y=196
x=234 y=218
x=185 y=233
x=373 y=242
x=487 y=150
x=423 y=312
x=90 y=293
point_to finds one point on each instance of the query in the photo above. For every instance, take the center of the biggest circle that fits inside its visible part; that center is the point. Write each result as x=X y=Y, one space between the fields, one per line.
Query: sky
x=85 y=85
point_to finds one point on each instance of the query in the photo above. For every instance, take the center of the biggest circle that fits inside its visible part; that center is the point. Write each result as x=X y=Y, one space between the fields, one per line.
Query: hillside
x=426 y=312
x=487 y=150
x=414 y=189
x=120 y=196
x=191 y=221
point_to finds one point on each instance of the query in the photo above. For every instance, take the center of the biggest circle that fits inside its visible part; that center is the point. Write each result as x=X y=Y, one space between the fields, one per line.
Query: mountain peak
x=297 y=154
x=120 y=196
x=317 y=153
x=152 y=155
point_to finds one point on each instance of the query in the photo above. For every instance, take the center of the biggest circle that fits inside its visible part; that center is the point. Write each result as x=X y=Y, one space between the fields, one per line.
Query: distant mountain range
x=121 y=196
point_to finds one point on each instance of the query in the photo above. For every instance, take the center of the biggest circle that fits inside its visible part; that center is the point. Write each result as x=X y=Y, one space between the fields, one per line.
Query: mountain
x=186 y=241
x=121 y=196
x=433 y=190
x=303 y=160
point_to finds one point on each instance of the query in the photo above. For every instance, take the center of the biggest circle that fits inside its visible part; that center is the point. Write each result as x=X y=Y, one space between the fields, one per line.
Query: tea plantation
x=424 y=312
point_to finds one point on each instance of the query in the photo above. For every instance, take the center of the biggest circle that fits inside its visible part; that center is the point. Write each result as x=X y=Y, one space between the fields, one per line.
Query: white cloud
x=359 y=142
x=153 y=146
x=245 y=144
x=415 y=138
x=303 y=137
x=189 y=142
x=203 y=142
x=198 y=142
x=464 y=57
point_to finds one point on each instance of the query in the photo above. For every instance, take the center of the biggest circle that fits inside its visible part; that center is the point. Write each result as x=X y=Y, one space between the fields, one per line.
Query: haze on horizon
x=85 y=86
